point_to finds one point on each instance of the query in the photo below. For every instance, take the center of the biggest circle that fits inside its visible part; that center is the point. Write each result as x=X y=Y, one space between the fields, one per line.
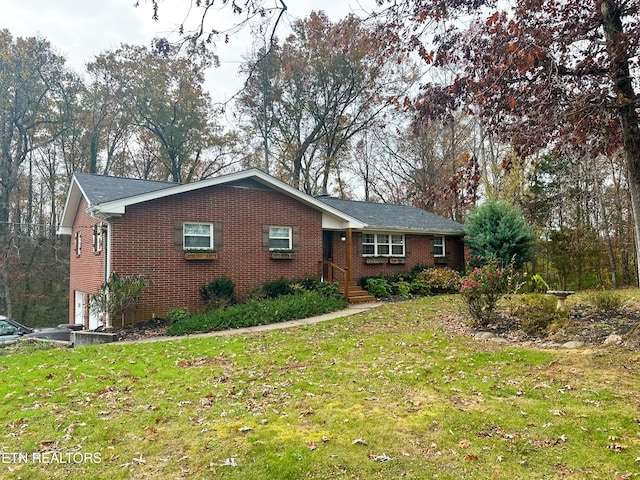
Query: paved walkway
x=350 y=310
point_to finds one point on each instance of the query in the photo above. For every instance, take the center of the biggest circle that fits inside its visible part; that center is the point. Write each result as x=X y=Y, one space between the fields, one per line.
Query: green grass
x=289 y=404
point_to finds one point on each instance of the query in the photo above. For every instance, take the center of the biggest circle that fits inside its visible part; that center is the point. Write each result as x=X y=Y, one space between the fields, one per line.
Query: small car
x=10 y=331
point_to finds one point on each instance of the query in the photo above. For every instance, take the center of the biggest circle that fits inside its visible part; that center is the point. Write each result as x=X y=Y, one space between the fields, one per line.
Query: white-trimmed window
x=280 y=238
x=78 y=246
x=439 y=247
x=97 y=237
x=383 y=245
x=197 y=236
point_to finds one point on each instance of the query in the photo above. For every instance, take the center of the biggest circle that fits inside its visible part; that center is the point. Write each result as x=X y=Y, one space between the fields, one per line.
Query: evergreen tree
x=498 y=230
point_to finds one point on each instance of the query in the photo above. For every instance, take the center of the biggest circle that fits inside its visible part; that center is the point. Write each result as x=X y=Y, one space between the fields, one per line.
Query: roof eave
x=429 y=231
x=74 y=195
x=118 y=207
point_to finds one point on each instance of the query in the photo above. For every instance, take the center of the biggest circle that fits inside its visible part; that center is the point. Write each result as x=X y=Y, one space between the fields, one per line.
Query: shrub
x=119 y=293
x=260 y=312
x=536 y=284
x=606 y=301
x=481 y=291
x=416 y=269
x=277 y=288
x=309 y=284
x=420 y=287
x=177 y=315
x=378 y=287
x=441 y=279
x=219 y=293
x=537 y=312
x=402 y=288
x=328 y=289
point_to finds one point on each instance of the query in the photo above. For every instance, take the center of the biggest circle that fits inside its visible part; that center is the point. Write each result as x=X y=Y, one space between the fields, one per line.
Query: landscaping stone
x=572 y=345
x=613 y=339
x=484 y=336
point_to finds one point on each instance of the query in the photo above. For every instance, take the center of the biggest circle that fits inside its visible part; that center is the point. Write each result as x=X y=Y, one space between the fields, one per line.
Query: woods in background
x=444 y=109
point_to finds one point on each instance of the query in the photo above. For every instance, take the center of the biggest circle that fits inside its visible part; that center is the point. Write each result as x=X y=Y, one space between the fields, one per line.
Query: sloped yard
x=386 y=394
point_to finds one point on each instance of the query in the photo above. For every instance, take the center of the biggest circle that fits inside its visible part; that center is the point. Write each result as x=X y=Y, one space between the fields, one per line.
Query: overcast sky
x=82 y=29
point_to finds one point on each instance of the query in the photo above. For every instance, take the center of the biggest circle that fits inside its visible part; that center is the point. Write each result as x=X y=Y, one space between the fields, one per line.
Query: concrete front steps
x=356 y=294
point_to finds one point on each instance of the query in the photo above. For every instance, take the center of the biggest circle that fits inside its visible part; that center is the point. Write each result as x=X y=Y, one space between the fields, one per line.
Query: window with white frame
x=197 y=236
x=97 y=237
x=280 y=238
x=438 y=247
x=383 y=245
x=78 y=246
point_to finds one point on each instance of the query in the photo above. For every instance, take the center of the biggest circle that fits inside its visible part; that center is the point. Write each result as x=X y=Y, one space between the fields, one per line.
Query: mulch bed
x=155 y=327
x=585 y=324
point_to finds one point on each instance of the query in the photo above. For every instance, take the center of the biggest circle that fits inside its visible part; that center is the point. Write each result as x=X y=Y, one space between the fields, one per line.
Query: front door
x=327 y=252
x=327 y=245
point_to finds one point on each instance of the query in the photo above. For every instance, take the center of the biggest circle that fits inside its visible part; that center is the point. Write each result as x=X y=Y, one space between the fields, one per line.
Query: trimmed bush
x=378 y=287
x=261 y=312
x=441 y=279
x=402 y=289
x=219 y=293
x=420 y=287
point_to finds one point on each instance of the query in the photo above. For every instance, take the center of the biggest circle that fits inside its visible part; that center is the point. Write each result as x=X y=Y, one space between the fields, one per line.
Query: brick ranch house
x=247 y=226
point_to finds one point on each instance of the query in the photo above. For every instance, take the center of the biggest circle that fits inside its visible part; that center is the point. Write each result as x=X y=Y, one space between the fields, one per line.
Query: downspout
x=107 y=265
x=106 y=248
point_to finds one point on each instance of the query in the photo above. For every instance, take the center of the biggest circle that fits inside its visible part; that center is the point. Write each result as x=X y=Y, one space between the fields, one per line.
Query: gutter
x=107 y=264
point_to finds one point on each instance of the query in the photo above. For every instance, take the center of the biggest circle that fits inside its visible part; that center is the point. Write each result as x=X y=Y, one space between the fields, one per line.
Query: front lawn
x=385 y=394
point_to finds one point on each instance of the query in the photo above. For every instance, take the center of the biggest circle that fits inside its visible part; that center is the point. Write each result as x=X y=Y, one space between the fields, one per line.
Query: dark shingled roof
x=402 y=217
x=100 y=188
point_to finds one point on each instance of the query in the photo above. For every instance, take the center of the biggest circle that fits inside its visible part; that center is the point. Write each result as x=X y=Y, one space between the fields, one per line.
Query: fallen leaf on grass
x=617 y=447
x=464 y=443
x=380 y=458
x=229 y=462
x=359 y=441
x=46 y=445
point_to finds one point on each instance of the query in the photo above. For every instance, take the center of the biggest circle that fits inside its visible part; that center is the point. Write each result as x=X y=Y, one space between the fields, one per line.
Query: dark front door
x=327 y=245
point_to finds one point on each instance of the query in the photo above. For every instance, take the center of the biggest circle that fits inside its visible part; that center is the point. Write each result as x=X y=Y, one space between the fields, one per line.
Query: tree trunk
x=626 y=104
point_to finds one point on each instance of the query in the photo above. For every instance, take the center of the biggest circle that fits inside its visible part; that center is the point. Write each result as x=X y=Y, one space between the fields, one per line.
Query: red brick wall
x=87 y=269
x=143 y=243
x=418 y=250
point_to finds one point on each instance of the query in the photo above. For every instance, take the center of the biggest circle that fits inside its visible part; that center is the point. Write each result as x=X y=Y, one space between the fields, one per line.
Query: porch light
x=343 y=237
